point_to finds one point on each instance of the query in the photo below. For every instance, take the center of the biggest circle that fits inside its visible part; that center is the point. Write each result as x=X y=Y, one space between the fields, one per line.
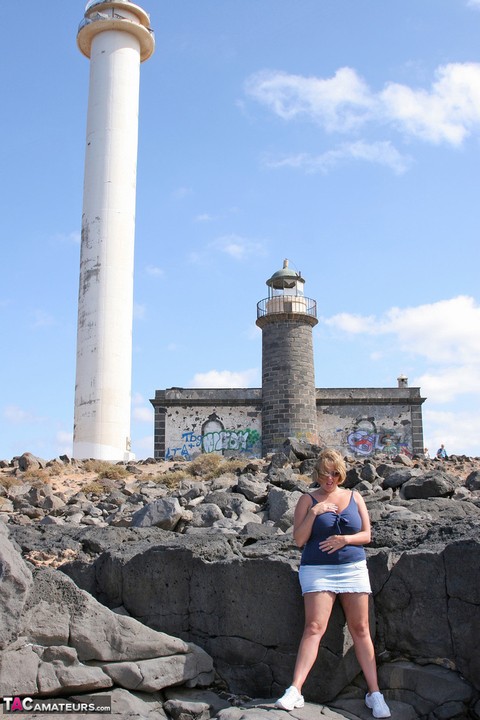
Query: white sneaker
x=375 y=701
x=290 y=699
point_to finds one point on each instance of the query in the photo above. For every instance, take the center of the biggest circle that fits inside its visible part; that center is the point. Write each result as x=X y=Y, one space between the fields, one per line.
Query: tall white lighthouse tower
x=116 y=36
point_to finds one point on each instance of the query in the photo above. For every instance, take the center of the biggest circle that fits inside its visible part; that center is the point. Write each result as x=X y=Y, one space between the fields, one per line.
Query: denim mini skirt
x=345 y=578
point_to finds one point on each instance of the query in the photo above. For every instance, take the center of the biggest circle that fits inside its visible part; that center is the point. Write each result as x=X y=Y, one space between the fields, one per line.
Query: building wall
x=358 y=421
x=189 y=422
x=366 y=421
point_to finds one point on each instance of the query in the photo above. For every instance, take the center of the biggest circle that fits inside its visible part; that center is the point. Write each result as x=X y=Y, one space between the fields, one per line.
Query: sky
x=343 y=135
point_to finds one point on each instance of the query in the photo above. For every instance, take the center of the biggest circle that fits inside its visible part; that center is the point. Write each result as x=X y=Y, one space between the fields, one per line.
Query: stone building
x=255 y=421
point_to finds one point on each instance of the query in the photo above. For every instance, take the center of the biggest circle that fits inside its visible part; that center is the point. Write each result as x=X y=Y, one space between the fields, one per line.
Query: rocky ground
x=99 y=494
x=214 y=517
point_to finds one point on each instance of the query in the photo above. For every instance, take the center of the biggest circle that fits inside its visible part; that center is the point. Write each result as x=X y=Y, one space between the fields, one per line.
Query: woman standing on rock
x=332 y=525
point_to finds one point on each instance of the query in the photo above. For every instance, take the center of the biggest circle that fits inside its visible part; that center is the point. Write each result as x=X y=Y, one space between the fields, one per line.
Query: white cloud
x=447 y=331
x=154 y=271
x=237 y=247
x=143 y=414
x=452 y=429
x=64 y=442
x=196 y=258
x=204 y=217
x=450 y=382
x=380 y=153
x=16 y=415
x=339 y=104
x=139 y=311
x=64 y=437
x=449 y=111
x=354 y=324
x=42 y=318
x=143 y=446
x=446 y=113
x=253 y=332
x=72 y=238
x=141 y=411
x=182 y=192
x=474 y=4
x=226 y=379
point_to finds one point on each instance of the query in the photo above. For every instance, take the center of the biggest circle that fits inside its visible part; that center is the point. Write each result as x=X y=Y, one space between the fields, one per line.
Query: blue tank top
x=347 y=522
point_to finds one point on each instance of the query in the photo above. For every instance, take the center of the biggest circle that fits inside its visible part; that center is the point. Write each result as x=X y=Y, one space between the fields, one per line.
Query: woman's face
x=328 y=478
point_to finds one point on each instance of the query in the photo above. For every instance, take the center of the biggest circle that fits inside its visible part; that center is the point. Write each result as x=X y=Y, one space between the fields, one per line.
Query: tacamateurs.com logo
x=96 y=704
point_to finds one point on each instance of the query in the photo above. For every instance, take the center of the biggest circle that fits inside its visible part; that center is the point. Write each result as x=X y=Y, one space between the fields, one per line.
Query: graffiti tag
x=241 y=441
x=365 y=440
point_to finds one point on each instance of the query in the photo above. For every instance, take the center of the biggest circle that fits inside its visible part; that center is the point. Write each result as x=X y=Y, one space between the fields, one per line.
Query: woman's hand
x=333 y=543
x=323 y=507
x=305 y=514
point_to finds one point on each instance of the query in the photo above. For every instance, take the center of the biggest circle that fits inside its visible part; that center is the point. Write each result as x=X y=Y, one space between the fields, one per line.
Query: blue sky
x=341 y=134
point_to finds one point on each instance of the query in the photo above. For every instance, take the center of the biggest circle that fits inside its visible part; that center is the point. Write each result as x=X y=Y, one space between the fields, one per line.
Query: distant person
x=331 y=524
x=442 y=453
x=426 y=454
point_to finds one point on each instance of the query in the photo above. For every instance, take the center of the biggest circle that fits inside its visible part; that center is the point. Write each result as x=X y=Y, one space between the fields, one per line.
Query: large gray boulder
x=27 y=461
x=161 y=672
x=254 y=489
x=206 y=515
x=15 y=585
x=473 y=480
x=59 y=609
x=432 y=484
x=58 y=639
x=399 y=477
x=281 y=506
x=164 y=513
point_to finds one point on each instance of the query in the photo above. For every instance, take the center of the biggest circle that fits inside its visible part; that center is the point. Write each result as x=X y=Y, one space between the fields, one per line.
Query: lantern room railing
x=287 y=304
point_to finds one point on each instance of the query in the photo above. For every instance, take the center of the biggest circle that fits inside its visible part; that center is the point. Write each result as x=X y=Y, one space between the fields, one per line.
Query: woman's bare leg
x=355 y=606
x=318 y=608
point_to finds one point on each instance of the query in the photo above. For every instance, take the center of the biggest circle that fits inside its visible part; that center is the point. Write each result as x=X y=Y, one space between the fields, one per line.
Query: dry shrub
x=56 y=468
x=210 y=466
x=171 y=480
x=106 y=469
x=95 y=466
x=40 y=476
x=205 y=465
x=231 y=466
x=7 y=481
x=114 y=472
x=94 y=487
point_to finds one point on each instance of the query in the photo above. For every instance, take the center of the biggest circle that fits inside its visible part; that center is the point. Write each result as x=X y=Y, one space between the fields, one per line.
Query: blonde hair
x=330 y=460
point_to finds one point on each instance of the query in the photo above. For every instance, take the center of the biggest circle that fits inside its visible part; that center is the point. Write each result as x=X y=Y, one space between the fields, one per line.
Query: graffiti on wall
x=240 y=441
x=365 y=439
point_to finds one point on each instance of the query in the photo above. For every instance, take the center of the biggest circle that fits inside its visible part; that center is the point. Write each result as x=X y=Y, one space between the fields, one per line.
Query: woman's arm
x=363 y=537
x=305 y=514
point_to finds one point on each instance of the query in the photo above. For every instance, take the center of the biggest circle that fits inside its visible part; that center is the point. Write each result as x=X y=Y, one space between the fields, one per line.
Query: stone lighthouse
x=286 y=318
x=116 y=36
